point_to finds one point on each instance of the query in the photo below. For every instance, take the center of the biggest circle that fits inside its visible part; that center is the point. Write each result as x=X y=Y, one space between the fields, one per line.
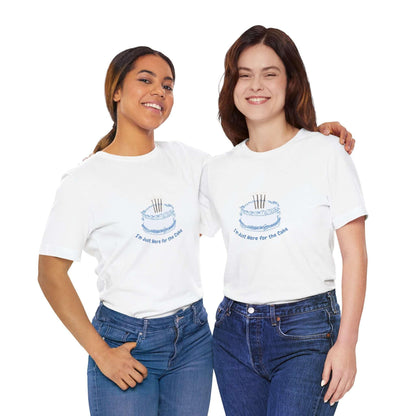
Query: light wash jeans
x=269 y=359
x=177 y=351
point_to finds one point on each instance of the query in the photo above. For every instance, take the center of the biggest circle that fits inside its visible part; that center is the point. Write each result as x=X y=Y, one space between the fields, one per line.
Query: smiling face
x=145 y=99
x=261 y=87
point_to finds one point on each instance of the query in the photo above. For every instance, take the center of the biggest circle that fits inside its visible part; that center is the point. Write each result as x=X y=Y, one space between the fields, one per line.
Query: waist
x=182 y=317
x=320 y=301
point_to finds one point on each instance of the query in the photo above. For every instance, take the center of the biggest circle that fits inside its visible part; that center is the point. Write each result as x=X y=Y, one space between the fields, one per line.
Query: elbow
x=43 y=276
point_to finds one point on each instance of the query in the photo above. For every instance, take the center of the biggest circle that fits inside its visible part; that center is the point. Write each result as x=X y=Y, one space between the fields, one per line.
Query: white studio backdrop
x=358 y=56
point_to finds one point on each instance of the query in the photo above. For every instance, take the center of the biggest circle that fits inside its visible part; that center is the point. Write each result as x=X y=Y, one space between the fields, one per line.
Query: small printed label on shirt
x=260 y=237
x=162 y=240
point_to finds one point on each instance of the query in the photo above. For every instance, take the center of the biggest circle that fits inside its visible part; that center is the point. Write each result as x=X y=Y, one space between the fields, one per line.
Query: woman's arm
x=115 y=363
x=335 y=128
x=340 y=364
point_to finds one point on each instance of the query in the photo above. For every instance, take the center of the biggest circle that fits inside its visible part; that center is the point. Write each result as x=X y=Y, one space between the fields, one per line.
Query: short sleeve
x=209 y=217
x=69 y=222
x=344 y=190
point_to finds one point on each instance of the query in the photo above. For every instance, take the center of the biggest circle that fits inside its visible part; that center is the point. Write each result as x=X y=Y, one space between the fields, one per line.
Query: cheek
x=238 y=96
x=169 y=106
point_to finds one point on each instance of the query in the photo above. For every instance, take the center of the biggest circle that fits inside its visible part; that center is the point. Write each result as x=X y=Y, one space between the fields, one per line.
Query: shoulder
x=84 y=175
x=315 y=143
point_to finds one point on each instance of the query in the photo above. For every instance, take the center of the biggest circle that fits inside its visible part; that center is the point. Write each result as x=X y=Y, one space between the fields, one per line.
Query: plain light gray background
x=359 y=58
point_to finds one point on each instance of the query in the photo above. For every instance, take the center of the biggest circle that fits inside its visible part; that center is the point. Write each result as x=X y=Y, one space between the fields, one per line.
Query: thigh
x=301 y=342
x=296 y=388
x=107 y=399
x=185 y=389
x=243 y=391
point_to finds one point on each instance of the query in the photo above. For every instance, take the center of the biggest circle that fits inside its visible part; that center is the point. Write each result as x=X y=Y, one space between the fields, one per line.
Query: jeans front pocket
x=115 y=336
x=312 y=325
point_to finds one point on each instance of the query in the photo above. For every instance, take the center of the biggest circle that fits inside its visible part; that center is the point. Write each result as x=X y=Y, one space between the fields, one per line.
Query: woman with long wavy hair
x=281 y=347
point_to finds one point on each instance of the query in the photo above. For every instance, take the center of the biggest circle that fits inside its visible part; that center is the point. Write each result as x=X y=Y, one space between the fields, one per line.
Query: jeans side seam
x=320 y=397
x=94 y=405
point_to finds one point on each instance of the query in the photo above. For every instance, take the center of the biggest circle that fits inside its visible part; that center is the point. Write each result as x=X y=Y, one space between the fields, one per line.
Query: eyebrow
x=154 y=75
x=267 y=68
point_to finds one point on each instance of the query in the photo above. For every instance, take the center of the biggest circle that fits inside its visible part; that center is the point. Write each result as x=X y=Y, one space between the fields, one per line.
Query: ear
x=117 y=95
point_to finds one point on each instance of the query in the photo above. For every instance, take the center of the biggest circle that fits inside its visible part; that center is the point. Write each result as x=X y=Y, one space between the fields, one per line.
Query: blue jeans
x=268 y=359
x=177 y=351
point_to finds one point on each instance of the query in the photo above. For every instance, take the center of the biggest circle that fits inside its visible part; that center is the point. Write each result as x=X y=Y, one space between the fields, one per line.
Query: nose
x=256 y=84
x=158 y=90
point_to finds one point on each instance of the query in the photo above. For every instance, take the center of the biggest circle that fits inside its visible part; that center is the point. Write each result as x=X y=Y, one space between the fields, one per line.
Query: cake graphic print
x=259 y=214
x=158 y=218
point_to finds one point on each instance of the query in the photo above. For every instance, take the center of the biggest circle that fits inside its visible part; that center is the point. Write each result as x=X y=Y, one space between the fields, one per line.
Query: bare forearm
x=340 y=365
x=63 y=298
x=354 y=277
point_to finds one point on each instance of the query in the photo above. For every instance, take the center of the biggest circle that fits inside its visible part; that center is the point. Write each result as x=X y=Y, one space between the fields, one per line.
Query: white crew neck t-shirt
x=139 y=217
x=278 y=211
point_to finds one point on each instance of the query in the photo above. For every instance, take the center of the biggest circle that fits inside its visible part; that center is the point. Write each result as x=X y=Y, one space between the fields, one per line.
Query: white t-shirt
x=139 y=217
x=278 y=211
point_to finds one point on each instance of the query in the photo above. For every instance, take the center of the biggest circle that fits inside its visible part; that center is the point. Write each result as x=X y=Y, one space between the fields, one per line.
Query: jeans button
x=250 y=309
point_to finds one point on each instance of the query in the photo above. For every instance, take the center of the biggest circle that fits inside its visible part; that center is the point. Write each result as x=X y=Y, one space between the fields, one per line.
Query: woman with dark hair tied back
x=134 y=206
x=281 y=347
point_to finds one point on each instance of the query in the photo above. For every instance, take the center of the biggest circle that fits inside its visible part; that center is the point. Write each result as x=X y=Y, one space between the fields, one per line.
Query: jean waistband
x=320 y=301
x=182 y=317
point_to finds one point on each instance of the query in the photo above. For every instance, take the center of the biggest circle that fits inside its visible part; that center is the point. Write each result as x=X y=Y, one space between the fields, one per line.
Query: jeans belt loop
x=332 y=300
x=230 y=304
x=273 y=314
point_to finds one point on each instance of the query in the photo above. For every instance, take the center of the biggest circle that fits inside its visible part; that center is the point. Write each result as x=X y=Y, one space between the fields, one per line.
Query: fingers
x=337 y=129
x=132 y=374
x=140 y=368
x=122 y=368
x=352 y=146
x=137 y=365
x=326 y=374
x=339 y=385
x=347 y=140
x=129 y=346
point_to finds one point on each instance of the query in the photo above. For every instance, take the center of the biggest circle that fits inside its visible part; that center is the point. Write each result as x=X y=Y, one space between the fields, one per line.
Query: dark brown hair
x=299 y=109
x=119 y=67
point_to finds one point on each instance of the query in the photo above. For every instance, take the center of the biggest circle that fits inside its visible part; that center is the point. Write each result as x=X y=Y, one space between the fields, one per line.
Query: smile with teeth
x=257 y=100
x=153 y=105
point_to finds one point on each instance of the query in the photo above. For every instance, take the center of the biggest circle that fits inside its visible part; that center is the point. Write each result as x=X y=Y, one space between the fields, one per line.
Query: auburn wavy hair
x=299 y=109
x=119 y=67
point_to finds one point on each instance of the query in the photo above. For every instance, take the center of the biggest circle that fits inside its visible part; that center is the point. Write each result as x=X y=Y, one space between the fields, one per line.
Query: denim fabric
x=177 y=351
x=268 y=359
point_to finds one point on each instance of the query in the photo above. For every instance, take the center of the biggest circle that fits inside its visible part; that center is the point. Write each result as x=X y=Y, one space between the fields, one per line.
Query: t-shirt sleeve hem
x=344 y=219
x=60 y=252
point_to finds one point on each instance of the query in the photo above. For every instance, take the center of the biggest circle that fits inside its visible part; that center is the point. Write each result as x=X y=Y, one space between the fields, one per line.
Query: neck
x=269 y=135
x=130 y=141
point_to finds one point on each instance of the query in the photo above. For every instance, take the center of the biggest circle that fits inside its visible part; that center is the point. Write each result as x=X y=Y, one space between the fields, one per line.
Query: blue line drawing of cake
x=260 y=214
x=158 y=218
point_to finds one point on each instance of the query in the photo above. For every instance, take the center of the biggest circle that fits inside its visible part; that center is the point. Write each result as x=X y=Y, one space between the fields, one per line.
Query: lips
x=256 y=100
x=154 y=105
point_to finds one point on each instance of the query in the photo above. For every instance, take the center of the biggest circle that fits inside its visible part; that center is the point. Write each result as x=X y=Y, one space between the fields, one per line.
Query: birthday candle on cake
x=259 y=201
x=157 y=205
